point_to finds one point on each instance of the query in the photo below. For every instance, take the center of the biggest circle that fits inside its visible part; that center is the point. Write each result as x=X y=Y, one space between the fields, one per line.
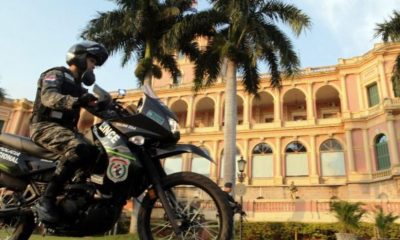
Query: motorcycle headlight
x=137 y=140
x=174 y=126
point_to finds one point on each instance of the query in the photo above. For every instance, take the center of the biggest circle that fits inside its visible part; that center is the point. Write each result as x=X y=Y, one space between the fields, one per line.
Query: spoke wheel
x=200 y=208
x=13 y=226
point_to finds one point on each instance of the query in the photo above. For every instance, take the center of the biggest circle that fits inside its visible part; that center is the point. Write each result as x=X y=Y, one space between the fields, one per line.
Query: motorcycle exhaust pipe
x=11 y=182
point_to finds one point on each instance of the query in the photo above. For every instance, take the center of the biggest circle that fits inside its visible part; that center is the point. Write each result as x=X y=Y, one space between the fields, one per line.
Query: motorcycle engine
x=76 y=201
x=84 y=214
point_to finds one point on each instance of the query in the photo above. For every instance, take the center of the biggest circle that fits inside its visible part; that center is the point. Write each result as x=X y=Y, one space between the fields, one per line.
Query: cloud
x=352 y=23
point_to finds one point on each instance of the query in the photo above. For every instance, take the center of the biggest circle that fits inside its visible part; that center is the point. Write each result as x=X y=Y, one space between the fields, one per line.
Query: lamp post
x=241 y=175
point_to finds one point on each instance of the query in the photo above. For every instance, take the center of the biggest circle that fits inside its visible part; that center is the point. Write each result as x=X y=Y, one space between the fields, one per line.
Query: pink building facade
x=333 y=131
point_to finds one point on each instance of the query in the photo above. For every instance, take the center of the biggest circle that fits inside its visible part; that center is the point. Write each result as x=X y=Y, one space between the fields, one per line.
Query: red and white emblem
x=117 y=170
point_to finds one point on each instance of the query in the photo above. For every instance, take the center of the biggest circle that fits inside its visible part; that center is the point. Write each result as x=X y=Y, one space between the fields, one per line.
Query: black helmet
x=78 y=53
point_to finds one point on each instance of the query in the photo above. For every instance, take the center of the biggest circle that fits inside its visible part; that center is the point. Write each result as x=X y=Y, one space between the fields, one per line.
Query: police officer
x=53 y=126
x=235 y=206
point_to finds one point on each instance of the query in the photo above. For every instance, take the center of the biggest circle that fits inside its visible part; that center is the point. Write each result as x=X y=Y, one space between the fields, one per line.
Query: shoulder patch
x=50 y=77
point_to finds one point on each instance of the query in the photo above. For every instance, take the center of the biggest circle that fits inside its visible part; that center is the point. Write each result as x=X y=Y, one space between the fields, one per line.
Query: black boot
x=47 y=210
x=46 y=207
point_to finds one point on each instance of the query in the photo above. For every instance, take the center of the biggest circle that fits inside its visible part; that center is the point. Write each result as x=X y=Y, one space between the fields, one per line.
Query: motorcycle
x=132 y=144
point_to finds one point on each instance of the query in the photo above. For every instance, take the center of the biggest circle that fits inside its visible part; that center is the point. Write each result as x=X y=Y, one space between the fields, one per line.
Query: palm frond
x=348 y=214
x=143 y=67
x=389 y=30
x=287 y=13
x=169 y=63
x=396 y=77
x=3 y=94
x=208 y=65
x=251 y=76
x=270 y=38
x=383 y=221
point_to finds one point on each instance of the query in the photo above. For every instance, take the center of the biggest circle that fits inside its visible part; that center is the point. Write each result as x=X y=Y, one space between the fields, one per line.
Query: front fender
x=179 y=149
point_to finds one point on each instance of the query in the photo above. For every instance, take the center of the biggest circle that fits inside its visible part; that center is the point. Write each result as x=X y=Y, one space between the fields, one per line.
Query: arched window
x=173 y=164
x=221 y=169
x=332 y=158
x=296 y=159
x=382 y=152
x=262 y=161
x=201 y=165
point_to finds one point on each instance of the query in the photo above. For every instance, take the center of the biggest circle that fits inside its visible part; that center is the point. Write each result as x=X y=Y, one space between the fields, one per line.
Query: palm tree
x=2 y=94
x=348 y=214
x=383 y=222
x=246 y=34
x=141 y=29
x=390 y=32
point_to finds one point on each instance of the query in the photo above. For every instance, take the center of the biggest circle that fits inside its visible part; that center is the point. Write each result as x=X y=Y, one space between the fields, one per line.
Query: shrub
x=305 y=231
x=348 y=214
x=383 y=222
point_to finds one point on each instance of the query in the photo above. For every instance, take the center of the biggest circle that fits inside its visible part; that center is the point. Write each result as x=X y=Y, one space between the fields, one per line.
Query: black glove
x=85 y=99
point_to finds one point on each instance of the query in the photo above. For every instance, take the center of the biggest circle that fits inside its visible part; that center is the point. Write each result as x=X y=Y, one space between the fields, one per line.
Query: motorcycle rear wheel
x=202 y=209
x=13 y=224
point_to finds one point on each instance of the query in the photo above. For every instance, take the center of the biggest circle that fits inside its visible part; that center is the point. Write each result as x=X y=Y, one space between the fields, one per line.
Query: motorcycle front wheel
x=200 y=206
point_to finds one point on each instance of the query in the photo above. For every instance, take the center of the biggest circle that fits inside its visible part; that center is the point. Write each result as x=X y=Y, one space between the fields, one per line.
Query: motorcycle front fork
x=155 y=173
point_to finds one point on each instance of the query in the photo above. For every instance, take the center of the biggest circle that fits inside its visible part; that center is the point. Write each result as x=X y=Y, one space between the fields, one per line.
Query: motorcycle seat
x=25 y=144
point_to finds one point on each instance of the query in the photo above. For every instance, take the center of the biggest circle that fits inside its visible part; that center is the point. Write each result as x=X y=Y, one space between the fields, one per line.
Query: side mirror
x=121 y=93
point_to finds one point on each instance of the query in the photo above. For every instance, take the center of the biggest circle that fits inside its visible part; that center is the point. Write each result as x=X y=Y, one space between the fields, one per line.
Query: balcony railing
x=382 y=174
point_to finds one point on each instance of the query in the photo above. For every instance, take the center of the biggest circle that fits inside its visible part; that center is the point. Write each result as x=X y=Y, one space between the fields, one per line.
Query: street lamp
x=241 y=166
x=241 y=175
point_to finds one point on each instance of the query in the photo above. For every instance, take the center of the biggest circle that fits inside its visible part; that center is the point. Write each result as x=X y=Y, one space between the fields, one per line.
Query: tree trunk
x=346 y=236
x=148 y=79
x=230 y=117
x=135 y=210
x=148 y=55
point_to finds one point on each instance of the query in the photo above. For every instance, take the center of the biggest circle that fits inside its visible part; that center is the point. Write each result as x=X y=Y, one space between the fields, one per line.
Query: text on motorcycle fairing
x=9 y=155
x=109 y=133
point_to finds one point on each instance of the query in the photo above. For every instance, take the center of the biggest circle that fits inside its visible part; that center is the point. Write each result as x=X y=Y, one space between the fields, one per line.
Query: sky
x=35 y=36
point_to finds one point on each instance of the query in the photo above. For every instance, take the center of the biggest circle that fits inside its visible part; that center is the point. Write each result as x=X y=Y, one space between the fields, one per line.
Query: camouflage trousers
x=57 y=139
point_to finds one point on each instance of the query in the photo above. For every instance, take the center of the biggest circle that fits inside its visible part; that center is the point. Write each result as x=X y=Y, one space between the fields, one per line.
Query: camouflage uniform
x=55 y=116
x=55 y=113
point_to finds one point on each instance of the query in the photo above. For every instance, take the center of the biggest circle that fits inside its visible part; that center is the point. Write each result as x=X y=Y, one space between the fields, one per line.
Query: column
x=217 y=112
x=310 y=103
x=277 y=106
x=344 y=100
x=17 y=120
x=350 y=154
x=383 y=82
x=246 y=110
x=190 y=113
x=187 y=161
x=24 y=127
x=278 y=161
x=314 y=178
x=9 y=123
x=214 y=167
x=392 y=142
x=313 y=162
x=367 y=152
x=361 y=94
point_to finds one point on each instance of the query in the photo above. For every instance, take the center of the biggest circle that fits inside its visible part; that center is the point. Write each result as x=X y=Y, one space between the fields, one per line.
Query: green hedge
x=305 y=231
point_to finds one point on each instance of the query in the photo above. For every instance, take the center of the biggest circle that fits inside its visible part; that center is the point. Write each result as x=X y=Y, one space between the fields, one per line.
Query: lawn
x=116 y=237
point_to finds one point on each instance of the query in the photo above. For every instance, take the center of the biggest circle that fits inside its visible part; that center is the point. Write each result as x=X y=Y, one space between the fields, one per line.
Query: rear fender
x=179 y=149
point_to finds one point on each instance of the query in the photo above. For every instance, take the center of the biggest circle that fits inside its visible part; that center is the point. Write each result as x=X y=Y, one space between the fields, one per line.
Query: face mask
x=88 y=78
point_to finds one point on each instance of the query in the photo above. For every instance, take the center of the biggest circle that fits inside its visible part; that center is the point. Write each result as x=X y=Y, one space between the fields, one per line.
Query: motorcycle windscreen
x=153 y=117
